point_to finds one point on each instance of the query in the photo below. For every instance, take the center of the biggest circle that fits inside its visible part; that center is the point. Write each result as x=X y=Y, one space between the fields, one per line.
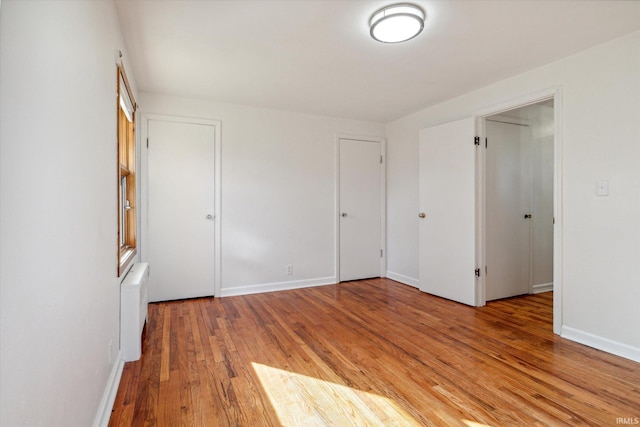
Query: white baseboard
x=109 y=397
x=403 y=279
x=279 y=286
x=542 y=287
x=604 y=344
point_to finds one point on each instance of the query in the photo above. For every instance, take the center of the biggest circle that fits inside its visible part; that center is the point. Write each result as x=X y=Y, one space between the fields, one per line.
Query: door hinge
x=476 y=140
x=486 y=143
x=380 y=253
x=477 y=272
x=147 y=142
x=380 y=159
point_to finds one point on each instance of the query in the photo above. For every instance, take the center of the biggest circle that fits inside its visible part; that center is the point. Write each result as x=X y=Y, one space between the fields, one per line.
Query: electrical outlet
x=288 y=270
x=110 y=351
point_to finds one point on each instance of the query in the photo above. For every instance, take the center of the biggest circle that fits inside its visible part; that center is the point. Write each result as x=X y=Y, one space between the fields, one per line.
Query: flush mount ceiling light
x=397 y=23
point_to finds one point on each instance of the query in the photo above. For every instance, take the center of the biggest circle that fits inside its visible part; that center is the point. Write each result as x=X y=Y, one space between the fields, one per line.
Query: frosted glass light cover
x=397 y=23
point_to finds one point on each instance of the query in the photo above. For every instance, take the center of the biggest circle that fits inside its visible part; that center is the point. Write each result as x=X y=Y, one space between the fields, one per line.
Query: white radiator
x=134 y=299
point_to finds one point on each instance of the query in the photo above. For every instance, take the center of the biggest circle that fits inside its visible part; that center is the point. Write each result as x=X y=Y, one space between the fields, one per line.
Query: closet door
x=508 y=201
x=181 y=210
x=360 y=209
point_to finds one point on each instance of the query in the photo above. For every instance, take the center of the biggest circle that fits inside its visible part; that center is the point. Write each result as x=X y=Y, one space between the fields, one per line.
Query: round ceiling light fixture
x=397 y=23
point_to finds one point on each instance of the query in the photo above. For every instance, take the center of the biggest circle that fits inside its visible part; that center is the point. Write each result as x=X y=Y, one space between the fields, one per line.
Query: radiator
x=134 y=300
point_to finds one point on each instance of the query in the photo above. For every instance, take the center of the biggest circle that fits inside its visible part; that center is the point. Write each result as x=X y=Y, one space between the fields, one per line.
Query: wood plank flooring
x=371 y=352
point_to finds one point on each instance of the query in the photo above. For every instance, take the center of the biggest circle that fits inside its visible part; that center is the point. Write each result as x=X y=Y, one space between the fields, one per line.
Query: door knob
x=344 y=214
x=209 y=216
x=422 y=215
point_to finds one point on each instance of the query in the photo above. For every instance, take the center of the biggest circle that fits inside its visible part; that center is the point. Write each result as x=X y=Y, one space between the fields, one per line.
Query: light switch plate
x=602 y=188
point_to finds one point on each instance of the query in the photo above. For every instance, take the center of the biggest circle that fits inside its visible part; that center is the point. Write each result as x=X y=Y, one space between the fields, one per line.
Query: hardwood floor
x=370 y=352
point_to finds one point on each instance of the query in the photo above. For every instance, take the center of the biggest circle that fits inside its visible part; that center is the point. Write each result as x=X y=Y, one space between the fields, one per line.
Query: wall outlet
x=110 y=351
x=288 y=270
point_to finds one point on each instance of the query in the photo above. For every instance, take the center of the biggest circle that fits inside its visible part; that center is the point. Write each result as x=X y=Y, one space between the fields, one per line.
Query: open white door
x=448 y=201
x=181 y=210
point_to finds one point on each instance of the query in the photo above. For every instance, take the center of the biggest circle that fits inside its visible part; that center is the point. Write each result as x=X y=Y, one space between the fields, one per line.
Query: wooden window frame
x=127 y=237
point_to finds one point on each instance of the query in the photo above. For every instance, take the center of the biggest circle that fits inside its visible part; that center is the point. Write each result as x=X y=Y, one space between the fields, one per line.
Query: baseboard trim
x=600 y=343
x=109 y=397
x=542 y=287
x=403 y=279
x=279 y=286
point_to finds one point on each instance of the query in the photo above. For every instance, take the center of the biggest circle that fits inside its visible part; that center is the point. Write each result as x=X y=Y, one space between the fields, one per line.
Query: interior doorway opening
x=519 y=177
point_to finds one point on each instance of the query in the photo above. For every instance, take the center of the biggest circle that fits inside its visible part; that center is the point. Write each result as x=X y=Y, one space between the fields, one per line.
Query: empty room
x=331 y=213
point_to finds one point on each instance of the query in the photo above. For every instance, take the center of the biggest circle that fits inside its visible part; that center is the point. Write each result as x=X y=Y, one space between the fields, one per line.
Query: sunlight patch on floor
x=300 y=400
x=474 y=424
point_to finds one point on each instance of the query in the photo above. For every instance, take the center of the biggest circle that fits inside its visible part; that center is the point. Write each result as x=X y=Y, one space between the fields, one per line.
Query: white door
x=508 y=201
x=360 y=209
x=447 y=200
x=181 y=209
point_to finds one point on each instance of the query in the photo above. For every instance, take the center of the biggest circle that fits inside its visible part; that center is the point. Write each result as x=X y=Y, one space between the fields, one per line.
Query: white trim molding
x=542 y=287
x=278 y=286
x=109 y=396
x=600 y=343
x=403 y=279
x=555 y=93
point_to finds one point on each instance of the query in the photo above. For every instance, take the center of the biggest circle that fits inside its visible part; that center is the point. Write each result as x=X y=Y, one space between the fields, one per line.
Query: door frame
x=383 y=198
x=144 y=168
x=554 y=93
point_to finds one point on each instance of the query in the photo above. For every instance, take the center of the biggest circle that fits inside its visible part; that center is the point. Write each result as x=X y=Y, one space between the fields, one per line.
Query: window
x=126 y=173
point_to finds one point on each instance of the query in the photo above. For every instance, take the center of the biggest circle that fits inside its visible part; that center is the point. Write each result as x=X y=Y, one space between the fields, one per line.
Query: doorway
x=519 y=176
x=360 y=202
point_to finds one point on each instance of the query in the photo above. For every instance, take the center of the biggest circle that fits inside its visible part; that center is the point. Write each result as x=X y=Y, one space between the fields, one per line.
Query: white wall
x=58 y=211
x=278 y=191
x=601 y=106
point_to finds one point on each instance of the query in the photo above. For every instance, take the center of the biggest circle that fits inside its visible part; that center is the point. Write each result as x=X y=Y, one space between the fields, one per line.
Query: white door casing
x=181 y=210
x=508 y=201
x=447 y=233
x=360 y=198
x=555 y=93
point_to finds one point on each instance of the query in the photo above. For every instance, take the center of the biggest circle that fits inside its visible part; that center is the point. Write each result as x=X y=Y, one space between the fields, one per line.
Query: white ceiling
x=317 y=57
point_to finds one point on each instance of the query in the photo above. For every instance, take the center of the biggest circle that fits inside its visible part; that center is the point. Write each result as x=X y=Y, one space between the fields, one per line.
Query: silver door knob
x=422 y=215
x=209 y=216
x=344 y=214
